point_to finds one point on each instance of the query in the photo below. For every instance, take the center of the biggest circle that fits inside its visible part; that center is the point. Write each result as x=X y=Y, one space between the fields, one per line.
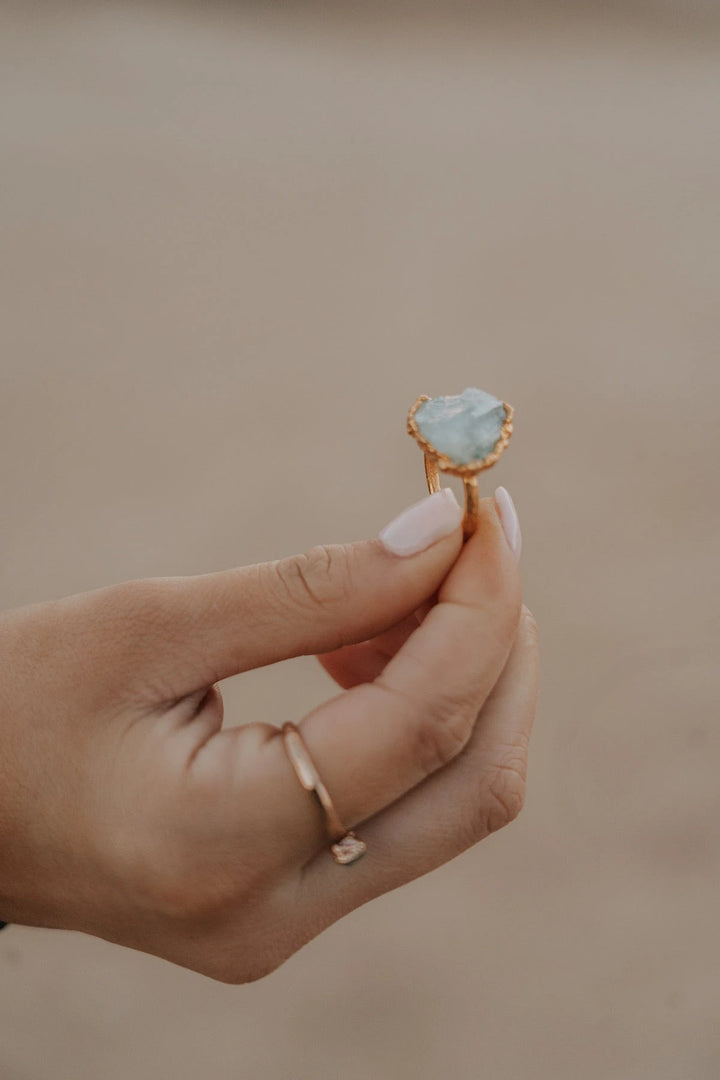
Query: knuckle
x=438 y=733
x=243 y=969
x=508 y=623
x=529 y=626
x=238 y=975
x=319 y=578
x=505 y=791
x=442 y=736
x=259 y=946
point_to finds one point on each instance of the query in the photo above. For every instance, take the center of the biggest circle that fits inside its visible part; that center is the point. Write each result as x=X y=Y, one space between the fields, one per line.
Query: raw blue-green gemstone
x=466 y=427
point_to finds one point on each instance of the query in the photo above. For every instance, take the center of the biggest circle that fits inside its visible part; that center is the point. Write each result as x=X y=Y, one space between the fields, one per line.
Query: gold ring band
x=346 y=847
x=472 y=493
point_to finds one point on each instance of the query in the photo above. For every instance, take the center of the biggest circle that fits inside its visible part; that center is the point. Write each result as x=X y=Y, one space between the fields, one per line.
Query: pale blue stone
x=465 y=427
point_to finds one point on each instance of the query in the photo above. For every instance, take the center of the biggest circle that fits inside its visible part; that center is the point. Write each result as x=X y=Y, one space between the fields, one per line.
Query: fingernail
x=510 y=521
x=423 y=524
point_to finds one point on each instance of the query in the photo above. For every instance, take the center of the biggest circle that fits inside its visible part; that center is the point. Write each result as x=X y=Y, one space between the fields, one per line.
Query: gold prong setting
x=446 y=464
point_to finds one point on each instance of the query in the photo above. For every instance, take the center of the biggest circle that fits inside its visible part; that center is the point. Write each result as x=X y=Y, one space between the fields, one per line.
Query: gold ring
x=346 y=846
x=462 y=436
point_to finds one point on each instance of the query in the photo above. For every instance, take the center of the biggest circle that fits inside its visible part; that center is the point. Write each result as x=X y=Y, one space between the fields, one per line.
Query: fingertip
x=486 y=564
x=509 y=520
x=421 y=525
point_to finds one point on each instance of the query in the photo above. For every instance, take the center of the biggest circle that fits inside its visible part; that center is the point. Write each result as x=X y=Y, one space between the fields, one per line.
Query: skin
x=127 y=810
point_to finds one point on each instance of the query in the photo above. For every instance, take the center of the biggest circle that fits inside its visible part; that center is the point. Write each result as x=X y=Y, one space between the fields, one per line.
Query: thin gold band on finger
x=346 y=846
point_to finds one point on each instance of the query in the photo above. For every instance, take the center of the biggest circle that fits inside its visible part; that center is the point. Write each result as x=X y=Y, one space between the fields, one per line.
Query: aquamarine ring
x=462 y=436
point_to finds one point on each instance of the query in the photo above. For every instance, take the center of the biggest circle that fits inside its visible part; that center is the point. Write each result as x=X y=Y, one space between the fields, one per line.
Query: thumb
x=206 y=628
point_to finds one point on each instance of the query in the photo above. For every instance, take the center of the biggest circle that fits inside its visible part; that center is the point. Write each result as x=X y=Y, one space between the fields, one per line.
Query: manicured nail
x=423 y=524
x=509 y=519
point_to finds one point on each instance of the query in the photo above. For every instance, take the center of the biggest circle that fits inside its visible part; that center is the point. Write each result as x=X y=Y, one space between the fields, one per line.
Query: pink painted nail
x=509 y=519
x=423 y=524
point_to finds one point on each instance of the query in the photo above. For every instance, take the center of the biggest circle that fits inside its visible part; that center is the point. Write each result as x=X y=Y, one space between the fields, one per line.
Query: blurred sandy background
x=237 y=242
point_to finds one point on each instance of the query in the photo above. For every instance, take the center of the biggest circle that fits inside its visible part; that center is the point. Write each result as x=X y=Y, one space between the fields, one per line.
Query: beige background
x=237 y=241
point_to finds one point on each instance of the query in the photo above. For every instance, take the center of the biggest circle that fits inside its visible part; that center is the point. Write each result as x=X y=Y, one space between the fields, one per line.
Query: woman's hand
x=126 y=811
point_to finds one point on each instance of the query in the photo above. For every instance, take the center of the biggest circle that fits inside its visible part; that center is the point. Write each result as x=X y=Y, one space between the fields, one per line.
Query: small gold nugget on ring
x=346 y=846
x=461 y=435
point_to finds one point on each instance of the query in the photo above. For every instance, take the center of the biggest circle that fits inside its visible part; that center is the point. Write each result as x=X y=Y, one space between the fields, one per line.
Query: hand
x=127 y=811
